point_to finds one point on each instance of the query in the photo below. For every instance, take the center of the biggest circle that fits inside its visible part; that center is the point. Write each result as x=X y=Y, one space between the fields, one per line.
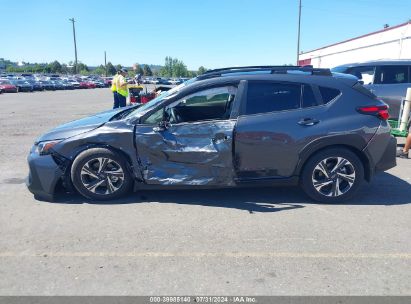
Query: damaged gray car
x=233 y=127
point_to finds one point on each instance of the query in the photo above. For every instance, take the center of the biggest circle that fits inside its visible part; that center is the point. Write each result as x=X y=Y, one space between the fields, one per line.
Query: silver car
x=388 y=79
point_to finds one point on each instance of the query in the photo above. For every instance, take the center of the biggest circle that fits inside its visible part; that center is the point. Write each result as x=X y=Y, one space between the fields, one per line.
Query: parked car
x=87 y=85
x=58 y=85
x=48 y=85
x=226 y=128
x=7 y=87
x=388 y=79
x=74 y=83
x=22 y=85
x=37 y=86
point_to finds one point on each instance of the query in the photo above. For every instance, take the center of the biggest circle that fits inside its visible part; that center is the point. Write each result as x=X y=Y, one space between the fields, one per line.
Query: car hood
x=80 y=126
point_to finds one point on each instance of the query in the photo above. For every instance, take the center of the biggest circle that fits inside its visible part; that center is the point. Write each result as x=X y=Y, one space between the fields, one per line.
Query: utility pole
x=299 y=27
x=75 y=46
x=105 y=63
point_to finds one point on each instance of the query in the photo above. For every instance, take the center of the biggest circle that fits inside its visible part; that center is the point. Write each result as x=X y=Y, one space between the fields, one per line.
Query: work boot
x=402 y=154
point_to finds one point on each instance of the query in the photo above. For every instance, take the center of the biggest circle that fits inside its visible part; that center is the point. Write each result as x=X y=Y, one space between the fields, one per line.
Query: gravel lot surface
x=218 y=242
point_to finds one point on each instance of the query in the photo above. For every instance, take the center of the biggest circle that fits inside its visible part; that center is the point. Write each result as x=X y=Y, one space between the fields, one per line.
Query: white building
x=390 y=43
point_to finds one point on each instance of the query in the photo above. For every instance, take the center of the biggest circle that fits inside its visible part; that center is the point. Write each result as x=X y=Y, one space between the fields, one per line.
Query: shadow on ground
x=385 y=189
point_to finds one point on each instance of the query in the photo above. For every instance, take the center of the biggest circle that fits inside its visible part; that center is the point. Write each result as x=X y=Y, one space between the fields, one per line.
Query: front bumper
x=44 y=174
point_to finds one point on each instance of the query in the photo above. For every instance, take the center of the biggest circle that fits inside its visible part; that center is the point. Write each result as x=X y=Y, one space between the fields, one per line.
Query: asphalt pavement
x=256 y=241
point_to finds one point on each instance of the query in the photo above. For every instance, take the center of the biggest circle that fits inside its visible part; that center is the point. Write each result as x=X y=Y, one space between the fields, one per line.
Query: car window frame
x=183 y=95
x=374 y=67
x=378 y=73
x=301 y=84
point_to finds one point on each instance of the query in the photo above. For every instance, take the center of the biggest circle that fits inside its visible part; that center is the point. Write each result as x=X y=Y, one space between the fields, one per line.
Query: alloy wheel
x=102 y=176
x=333 y=176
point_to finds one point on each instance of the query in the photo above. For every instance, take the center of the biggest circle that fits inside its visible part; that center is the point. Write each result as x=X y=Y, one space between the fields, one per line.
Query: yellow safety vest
x=113 y=83
x=121 y=90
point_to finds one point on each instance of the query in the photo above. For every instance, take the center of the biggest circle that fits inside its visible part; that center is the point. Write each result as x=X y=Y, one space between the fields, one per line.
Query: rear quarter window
x=328 y=94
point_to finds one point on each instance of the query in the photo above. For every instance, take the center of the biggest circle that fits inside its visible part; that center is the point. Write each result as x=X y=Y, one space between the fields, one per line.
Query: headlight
x=43 y=148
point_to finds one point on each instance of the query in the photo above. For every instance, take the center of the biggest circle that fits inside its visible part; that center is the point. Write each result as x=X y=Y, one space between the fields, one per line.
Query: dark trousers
x=119 y=100
x=122 y=100
x=115 y=95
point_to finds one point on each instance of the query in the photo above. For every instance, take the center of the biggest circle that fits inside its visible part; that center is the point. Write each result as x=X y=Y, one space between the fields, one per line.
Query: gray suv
x=230 y=127
x=388 y=79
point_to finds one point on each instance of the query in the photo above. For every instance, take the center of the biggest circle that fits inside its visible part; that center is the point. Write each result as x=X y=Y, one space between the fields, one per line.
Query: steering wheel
x=175 y=118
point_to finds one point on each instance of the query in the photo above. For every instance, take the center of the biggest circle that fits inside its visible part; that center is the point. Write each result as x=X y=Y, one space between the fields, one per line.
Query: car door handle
x=220 y=137
x=308 y=122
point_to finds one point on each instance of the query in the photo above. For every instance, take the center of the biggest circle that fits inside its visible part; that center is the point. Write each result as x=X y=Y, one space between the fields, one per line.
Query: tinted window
x=263 y=97
x=328 y=94
x=363 y=73
x=393 y=74
x=309 y=99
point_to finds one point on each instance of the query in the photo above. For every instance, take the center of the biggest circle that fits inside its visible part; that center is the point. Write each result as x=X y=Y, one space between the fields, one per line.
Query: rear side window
x=328 y=94
x=309 y=99
x=392 y=74
x=264 y=97
x=363 y=73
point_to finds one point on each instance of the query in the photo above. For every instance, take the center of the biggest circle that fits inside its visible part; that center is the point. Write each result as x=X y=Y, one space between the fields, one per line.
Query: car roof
x=378 y=63
x=331 y=81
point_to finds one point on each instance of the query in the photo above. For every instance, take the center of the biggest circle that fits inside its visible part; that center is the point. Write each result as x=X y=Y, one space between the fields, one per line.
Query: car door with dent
x=189 y=142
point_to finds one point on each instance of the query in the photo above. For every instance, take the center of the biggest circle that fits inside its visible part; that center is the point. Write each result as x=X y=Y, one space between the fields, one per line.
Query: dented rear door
x=196 y=153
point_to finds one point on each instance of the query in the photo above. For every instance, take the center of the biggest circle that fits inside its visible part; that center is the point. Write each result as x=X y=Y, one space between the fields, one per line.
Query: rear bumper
x=43 y=177
x=388 y=160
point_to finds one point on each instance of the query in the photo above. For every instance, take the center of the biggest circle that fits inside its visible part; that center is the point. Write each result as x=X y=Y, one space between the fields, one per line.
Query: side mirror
x=162 y=126
x=361 y=82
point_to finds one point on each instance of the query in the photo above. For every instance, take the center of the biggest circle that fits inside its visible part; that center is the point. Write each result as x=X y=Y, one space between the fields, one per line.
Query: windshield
x=156 y=101
x=5 y=82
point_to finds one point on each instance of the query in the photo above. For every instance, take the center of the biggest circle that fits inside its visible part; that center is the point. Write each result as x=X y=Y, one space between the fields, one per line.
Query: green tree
x=55 y=67
x=111 y=70
x=173 y=68
x=100 y=70
x=201 y=70
x=82 y=67
x=138 y=69
x=147 y=71
x=118 y=67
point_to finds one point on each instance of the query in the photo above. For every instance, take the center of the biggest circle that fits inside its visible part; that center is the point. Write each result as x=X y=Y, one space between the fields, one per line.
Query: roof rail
x=269 y=68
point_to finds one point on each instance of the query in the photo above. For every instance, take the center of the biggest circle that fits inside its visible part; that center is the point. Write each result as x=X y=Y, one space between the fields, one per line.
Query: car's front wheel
x=332 y=175
x=100 y=174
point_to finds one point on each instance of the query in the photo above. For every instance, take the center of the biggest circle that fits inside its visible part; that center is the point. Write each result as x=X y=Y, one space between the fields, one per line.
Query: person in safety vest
x=114 y=90
x=122 y=90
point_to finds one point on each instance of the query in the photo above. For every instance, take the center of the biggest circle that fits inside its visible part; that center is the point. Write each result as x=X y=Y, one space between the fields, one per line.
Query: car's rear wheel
x=100 y=174
x=333 y=175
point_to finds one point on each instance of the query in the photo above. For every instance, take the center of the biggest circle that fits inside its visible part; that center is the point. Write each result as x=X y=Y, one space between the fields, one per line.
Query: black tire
x=332 y=186
x=85 y=175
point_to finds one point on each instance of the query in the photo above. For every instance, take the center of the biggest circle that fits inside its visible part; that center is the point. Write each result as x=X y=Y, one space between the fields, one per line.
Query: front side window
x=363 y=73
x=392 y=74
x=209 y=104
x=265 y=97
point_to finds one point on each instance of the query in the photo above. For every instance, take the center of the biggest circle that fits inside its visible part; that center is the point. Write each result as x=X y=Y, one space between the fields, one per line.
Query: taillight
x=379 y=111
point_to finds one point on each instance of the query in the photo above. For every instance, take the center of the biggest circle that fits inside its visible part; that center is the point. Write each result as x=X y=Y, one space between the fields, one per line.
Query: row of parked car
x=165 y=81
x=30 y=83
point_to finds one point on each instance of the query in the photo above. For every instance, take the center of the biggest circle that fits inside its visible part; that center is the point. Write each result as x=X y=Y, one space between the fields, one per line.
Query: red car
x=87 y=85
x=7 y=87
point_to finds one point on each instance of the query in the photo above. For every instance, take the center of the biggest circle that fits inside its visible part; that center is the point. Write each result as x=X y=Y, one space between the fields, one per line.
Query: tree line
x=173 y=67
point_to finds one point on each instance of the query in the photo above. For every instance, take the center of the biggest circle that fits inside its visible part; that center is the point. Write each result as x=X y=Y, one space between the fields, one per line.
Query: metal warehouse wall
x=390 y=43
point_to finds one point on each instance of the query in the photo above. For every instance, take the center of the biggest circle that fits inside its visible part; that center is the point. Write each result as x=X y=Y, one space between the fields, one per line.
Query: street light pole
x=299 y=27
x=105 y=63
x=75 y=46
